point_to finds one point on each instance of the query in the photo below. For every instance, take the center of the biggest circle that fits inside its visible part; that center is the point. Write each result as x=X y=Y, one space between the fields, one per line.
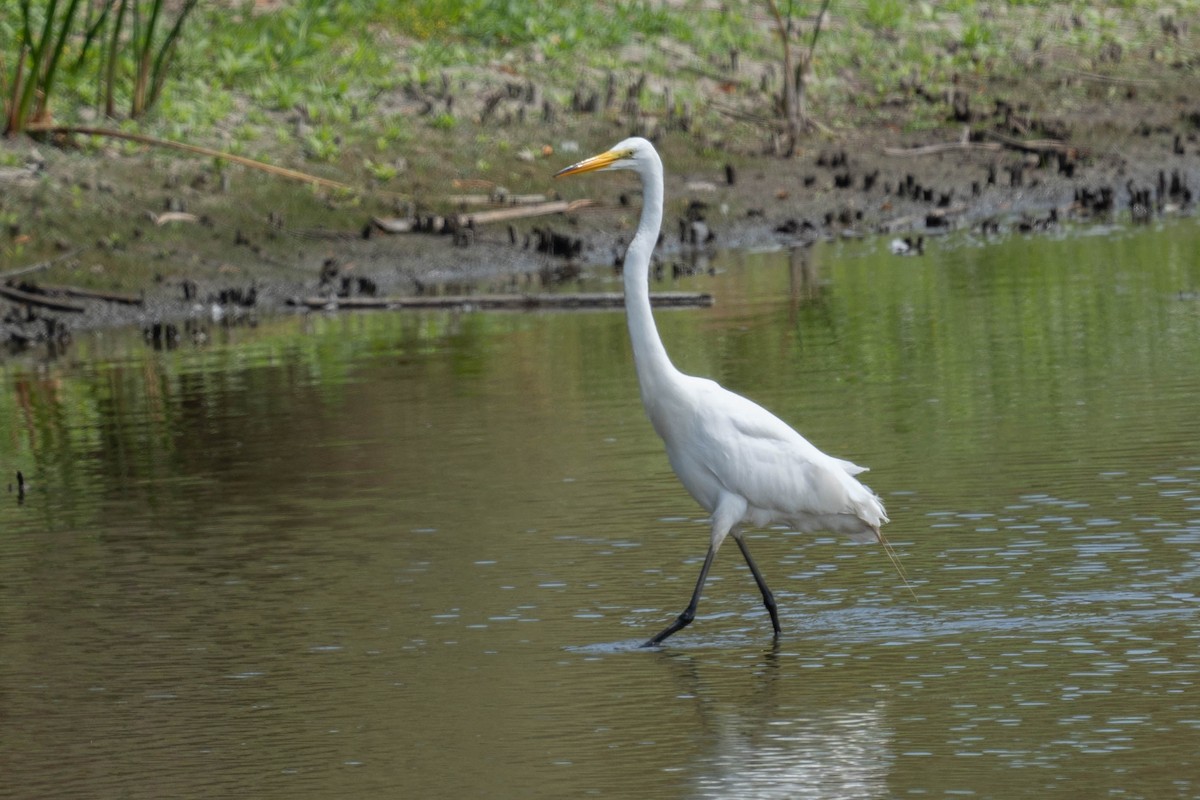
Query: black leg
x=689 y=613
x=768 y=598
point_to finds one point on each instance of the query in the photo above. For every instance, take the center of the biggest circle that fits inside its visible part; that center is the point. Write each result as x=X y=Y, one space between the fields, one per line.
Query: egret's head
x=635 y=153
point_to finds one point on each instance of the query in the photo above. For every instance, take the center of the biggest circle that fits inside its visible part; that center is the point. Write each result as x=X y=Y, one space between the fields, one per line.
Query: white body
x=741 y=462
x=744 y=464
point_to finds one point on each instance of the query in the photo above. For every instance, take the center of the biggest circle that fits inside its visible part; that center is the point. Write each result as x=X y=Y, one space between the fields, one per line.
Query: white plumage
x=741 y=462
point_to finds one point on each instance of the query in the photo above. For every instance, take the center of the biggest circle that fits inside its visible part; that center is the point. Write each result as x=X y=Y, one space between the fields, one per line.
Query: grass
x=42 y=34
x=885 y=14
x=117 y=46
x=555 y=28
x=388 y=96
x=331 y=82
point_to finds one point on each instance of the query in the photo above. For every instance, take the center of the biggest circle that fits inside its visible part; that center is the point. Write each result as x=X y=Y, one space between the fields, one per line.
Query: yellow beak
x=590 y=164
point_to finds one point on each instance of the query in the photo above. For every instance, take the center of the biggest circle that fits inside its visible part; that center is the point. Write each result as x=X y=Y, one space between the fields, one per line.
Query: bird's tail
x=871 y=513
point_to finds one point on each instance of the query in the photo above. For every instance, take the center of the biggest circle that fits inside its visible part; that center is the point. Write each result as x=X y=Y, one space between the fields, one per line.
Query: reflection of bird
x=908 y=246
x=742 y=463
x=771 y=754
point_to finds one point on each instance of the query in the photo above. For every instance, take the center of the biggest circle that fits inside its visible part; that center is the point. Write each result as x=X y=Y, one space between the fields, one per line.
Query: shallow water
x=412 y=555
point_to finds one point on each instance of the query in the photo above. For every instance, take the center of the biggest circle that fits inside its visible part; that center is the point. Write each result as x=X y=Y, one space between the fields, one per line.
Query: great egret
x=738 y=460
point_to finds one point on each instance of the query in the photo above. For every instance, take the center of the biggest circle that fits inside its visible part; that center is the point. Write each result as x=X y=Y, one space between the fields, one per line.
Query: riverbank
x=1028 y=141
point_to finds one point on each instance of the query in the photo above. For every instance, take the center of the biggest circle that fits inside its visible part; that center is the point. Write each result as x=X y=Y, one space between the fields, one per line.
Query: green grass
x=555 y=27
x=885 y=14
x=334 y=87
x=100 y=50
x=339 y=65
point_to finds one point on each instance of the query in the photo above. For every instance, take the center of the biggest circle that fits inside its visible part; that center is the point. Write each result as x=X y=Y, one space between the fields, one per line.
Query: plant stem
x=282 y=172
x=790 y=112
x=805 y=64
x=37 y=50
x=59 y=45
x=12 y=118
x=111 y=66
x=166 y=52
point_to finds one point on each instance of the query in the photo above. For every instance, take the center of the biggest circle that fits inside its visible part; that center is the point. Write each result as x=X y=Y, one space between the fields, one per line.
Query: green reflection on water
x=405 y=554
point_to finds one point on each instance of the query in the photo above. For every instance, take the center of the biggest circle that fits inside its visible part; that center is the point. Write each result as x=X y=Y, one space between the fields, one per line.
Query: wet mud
x=175 y=247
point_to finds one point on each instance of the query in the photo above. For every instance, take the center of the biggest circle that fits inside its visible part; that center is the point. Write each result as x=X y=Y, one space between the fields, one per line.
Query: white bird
x=738 y=460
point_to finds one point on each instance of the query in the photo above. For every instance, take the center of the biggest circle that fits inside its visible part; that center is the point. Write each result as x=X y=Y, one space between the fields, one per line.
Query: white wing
x=754 y=454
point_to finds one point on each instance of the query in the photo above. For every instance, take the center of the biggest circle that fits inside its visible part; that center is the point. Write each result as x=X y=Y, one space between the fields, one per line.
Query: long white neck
x=654 y=369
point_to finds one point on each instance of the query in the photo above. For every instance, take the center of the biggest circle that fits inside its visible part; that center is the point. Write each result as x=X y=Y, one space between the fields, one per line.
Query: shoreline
x=182 y=236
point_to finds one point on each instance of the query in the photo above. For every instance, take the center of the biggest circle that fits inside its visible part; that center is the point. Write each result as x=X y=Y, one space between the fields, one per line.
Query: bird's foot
x=681 y=622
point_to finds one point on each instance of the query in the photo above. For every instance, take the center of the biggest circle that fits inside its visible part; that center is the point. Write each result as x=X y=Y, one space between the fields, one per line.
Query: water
x=411 y=555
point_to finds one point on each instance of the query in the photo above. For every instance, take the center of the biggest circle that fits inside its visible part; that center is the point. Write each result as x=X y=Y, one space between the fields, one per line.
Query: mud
x=202 y=245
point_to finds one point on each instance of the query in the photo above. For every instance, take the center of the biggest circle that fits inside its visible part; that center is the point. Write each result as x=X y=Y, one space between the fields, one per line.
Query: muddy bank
x=176 y=246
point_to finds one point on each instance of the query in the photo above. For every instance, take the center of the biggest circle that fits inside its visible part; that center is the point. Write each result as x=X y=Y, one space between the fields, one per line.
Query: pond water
x=409 y=555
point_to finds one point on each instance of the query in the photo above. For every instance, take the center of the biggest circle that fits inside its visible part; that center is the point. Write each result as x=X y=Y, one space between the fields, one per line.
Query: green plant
x=43 y=35
x=278 y=92
x=884 y=14
x=976 y=34
x=139 y=44
x=322 y=144
x=380 y=171
x=233 y=65
x=554 y=27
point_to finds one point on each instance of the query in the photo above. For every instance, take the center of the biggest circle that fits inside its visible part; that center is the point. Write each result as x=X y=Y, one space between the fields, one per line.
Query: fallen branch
x=1037 y=146
x=497 y=199
x=504 y=301
x=460 y=221
x=88 y=294
x=945 y=147
x=172 y=216
x=282 y=172
x=520 y=212
x=40 y=300
x=50 y=262
x=394 y=224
